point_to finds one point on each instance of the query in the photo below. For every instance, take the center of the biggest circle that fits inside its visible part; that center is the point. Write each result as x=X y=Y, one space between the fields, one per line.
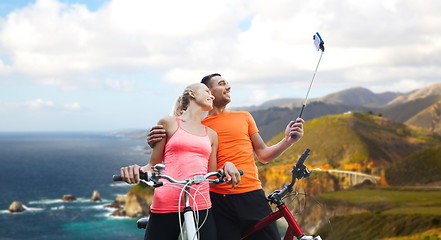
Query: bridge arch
x=352 y=178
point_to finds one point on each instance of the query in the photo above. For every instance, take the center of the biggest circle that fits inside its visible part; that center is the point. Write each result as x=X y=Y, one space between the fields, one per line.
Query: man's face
x=220 y=89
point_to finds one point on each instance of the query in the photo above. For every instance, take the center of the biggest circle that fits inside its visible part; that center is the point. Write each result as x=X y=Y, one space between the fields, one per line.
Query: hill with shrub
x=356 y=141
x=420 y=167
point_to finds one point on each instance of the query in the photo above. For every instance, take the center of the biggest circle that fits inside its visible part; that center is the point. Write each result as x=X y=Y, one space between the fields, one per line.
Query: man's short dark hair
x=205 y=80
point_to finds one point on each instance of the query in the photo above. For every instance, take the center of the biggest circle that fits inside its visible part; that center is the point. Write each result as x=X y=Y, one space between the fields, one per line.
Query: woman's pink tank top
x=185 y=155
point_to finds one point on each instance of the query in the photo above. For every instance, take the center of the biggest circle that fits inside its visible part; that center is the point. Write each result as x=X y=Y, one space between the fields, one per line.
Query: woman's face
x=203 y=97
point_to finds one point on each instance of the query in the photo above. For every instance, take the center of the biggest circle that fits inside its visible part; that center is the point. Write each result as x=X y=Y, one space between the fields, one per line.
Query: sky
x=105 y=65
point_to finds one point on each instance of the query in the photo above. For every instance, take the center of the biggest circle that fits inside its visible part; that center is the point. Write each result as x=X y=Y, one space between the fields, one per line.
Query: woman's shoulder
x=167 y=120
x=212 y=135
x=211 y=132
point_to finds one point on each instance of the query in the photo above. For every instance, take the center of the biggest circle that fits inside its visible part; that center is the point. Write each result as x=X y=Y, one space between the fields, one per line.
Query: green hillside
x=390 y=213
x=420 y=167
x=429 y=118
x=273 y=120
x=356 y=139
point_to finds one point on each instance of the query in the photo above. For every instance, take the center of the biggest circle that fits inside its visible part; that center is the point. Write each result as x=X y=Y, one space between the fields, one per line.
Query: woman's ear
x=191 y=93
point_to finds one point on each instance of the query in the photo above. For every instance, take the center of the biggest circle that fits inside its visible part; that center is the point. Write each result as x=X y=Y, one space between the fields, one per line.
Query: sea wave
x=46 y=201
x=62 y=207
x=101 y=206
x=4 y=212
x=80 y=200
x=120 y=184
x=32 y=208
x=104 y=200
x=109 y=215
x=27 y=209
x=106 y=211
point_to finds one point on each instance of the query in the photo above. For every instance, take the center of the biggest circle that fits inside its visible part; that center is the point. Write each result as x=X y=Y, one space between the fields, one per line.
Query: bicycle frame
x=299 y=171
x=293 y=227
x=190 y=229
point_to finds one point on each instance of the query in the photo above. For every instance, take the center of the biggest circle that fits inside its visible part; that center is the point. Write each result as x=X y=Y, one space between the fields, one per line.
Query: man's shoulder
x=243 y=114
x=240 y=113
x=225 y=114
x=229 y=114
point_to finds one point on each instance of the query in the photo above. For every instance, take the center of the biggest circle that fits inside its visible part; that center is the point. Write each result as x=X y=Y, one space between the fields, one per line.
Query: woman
x=189 y=148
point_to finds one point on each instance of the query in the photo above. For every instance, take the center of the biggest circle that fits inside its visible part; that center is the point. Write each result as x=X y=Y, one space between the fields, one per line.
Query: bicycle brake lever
x=306 y=172
x=152 y=183
x=148 y=183
x=221 y=177
x=271 y=197
x=313 y=237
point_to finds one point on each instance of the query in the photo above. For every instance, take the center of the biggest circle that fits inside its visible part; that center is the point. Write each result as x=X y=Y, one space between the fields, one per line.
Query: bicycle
x=299 y=171
x=189 y=228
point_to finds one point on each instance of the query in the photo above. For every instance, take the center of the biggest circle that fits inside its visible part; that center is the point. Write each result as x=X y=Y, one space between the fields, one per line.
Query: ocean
x=37 y=169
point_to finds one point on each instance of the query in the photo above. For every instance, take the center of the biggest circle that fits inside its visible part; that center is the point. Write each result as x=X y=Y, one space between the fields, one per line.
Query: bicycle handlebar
x=302 y=158
x=153 y=177
x=299 y=171
x=118 y=178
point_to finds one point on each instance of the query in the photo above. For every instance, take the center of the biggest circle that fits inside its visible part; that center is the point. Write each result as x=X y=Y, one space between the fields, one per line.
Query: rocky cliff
x=135 y=204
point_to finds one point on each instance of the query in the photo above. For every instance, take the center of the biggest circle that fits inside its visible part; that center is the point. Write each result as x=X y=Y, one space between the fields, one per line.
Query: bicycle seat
x=142 y=222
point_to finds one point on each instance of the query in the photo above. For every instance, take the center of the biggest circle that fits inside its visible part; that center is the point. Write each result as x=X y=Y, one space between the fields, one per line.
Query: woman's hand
x=130 y=174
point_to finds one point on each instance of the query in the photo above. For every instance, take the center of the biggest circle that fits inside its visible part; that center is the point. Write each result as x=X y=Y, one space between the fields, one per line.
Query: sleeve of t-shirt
x=252 y=127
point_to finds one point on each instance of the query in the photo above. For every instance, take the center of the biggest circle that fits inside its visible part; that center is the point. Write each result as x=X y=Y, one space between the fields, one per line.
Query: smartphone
x=318 y=42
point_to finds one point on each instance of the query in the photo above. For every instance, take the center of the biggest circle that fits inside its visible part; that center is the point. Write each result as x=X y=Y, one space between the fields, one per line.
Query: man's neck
x=218 y=110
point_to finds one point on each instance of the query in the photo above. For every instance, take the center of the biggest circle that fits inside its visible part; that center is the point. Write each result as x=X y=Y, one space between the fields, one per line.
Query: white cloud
x=366 y=43
x=120 y=85
x=39 y=103
x=258 y=95
x=5 y=70
x=72 y=106
x=66 y=45
x=264 y=48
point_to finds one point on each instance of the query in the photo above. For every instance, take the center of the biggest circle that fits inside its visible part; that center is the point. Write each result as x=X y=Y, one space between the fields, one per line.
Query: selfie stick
x=319 y=44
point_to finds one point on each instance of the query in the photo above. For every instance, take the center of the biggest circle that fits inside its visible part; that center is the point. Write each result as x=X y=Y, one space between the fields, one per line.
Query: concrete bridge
x=352 y=178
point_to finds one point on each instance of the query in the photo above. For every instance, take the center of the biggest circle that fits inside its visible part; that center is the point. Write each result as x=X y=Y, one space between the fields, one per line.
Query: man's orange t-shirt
x=234 y=130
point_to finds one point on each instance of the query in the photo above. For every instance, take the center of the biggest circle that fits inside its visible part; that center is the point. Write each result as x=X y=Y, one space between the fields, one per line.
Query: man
x=237 y=209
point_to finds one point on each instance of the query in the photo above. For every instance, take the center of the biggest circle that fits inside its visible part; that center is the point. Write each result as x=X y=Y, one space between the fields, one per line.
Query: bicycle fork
x=294 y=228
x=189 y=222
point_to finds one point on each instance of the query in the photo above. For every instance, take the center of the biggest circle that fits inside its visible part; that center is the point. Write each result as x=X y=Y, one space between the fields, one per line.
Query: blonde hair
x=183 y=101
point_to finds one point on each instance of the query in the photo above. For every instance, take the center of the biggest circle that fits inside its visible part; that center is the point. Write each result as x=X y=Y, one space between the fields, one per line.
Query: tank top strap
x=206 y=130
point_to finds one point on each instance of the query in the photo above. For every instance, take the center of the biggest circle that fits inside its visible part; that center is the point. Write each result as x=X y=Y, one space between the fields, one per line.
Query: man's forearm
x=268 y=154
